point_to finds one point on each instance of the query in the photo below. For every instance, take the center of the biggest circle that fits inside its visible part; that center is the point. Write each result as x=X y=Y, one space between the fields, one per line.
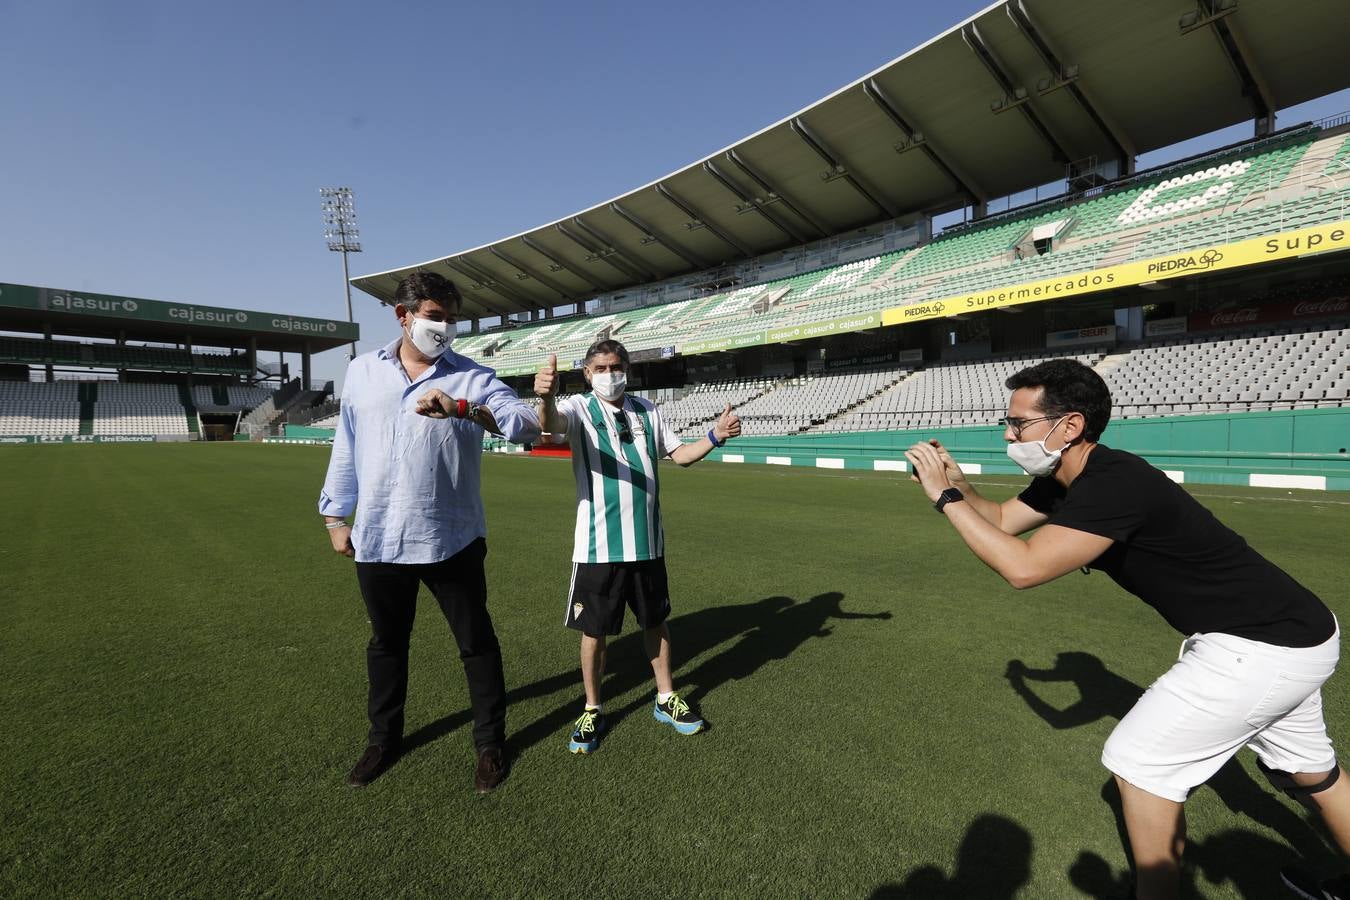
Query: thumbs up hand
x=546 y=380
x=728 y=425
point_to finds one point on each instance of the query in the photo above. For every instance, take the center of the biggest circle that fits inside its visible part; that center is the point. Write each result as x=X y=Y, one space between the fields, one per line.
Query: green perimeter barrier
x=1290 y=448
x=308 y=432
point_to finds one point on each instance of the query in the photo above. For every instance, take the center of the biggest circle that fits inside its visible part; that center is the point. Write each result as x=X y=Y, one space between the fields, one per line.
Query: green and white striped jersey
x=618 y=486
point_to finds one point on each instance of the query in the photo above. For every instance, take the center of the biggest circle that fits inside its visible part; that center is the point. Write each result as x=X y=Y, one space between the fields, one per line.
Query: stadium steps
x=189 y=408
x=862 y=400
x=690 y=423
x=1124 y=248
x=905 y=378
x=87 y=391
x=261 y=421
x=1323 y=159
x=1338 y=163
x=1110 y=362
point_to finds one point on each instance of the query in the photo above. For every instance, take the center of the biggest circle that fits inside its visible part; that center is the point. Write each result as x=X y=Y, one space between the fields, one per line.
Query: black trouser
x=460 y=587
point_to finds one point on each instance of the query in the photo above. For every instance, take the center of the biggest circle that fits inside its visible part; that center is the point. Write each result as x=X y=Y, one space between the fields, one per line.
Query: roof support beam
x=524 y=299
x=450 y=264
x=839 y=168
x=971 y=35
x=537 y=276
x=563 y=263
x=490 y=281
x=1017 y=11
x=650 y=232
x=1254 y=87
x=698 y=220
x=637 y=263
x=748 y=203
x=602 y=254
x=763 y=182
x=877 y=95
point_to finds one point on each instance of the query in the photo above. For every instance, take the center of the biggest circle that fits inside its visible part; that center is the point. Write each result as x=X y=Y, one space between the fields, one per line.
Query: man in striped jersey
x=619 y=550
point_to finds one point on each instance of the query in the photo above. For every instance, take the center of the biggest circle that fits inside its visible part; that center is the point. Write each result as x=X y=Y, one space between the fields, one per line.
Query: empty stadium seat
x=45 y=409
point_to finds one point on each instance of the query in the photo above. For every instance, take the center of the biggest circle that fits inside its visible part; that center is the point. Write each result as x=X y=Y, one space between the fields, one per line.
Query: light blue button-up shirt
x=417 y=477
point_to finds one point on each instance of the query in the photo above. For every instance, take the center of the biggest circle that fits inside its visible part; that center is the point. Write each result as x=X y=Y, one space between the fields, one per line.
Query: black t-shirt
x=1177 y=557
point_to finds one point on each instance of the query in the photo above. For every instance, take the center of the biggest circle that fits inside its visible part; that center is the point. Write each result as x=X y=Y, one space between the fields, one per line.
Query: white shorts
x=1224 y=692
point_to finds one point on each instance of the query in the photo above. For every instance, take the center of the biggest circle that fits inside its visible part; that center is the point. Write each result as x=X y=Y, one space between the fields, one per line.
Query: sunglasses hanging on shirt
x=621 y=426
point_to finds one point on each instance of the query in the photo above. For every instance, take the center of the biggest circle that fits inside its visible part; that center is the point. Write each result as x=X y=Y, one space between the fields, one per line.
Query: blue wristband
x=713 y=438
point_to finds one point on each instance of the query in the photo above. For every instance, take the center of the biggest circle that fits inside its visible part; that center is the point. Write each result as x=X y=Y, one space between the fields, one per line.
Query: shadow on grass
x=1248 y=861
x=767 y=629
x=1251 y=861
x=992 y=863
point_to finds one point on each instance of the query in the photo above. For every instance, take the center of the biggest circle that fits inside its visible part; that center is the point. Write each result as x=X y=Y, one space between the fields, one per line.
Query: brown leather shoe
x=371 y=765
x=490 y=771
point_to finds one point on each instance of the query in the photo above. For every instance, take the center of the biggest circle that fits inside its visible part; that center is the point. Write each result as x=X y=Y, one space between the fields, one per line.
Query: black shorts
x=600 y=590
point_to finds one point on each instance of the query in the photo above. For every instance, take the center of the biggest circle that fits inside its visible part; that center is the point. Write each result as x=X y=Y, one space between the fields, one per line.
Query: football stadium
x=884 y=715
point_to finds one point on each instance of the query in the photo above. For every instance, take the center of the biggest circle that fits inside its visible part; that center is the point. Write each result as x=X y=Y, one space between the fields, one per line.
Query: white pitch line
x=823 y=473
x=1192 y=490
x=819 y=473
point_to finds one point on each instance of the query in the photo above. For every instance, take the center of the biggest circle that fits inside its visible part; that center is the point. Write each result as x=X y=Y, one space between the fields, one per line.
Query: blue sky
x=175 y=150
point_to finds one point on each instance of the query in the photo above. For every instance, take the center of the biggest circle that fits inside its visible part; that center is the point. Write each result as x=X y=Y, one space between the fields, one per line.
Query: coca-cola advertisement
x=1236 y=317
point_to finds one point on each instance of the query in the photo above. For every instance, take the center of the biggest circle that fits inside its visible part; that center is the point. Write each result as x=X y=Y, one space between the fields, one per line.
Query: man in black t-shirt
x=1259 y=644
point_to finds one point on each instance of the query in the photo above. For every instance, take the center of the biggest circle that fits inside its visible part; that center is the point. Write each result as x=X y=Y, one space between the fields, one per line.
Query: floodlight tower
x=339 y=227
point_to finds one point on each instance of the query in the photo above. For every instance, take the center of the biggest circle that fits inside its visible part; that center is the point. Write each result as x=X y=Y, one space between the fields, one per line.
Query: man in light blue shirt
x=409 y=445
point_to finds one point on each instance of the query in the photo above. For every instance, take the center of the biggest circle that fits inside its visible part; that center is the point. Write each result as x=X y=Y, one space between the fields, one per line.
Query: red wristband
x=461 y=408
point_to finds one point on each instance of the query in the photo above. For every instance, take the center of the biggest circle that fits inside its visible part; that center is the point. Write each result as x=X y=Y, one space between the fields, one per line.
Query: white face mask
x=609 y=385
x=431 y=338
x=1033 y=456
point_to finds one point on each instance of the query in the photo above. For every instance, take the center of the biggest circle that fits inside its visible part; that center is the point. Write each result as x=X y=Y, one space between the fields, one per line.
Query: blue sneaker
x=678 y=714
x=586 y=732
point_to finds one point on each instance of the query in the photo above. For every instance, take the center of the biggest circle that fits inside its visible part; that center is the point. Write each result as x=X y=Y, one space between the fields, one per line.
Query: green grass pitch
x=184 y=690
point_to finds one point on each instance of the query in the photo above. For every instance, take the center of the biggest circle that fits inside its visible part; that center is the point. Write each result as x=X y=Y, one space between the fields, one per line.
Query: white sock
x=599 y=707
x=664 y=698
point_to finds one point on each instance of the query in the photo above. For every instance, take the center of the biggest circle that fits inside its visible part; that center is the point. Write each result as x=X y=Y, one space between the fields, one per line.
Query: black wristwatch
x=950 y=495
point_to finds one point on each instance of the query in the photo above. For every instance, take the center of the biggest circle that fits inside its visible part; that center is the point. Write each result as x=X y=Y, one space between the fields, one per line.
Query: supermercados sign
x=22 y=296
x=1334 y=236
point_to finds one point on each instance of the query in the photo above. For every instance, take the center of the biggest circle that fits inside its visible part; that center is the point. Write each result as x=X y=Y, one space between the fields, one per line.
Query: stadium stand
x=1239 y=371
x=228 y=398
x=329 y=421
x=944 y=394
x=328 y=409
x=37 y=351
x=1291 y=180
x=1288 y=181
x=42 y=409
x=106 y=407
x=800 y=402
x=702 y=403
x=1280 y=368
x=152 y=409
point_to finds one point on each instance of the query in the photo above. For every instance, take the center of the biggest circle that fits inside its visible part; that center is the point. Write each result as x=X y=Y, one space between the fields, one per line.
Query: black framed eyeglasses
x=1017 y=424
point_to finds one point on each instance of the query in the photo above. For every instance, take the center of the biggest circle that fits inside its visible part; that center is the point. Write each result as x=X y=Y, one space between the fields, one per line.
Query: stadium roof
x=998 y=104
x=83 y=314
